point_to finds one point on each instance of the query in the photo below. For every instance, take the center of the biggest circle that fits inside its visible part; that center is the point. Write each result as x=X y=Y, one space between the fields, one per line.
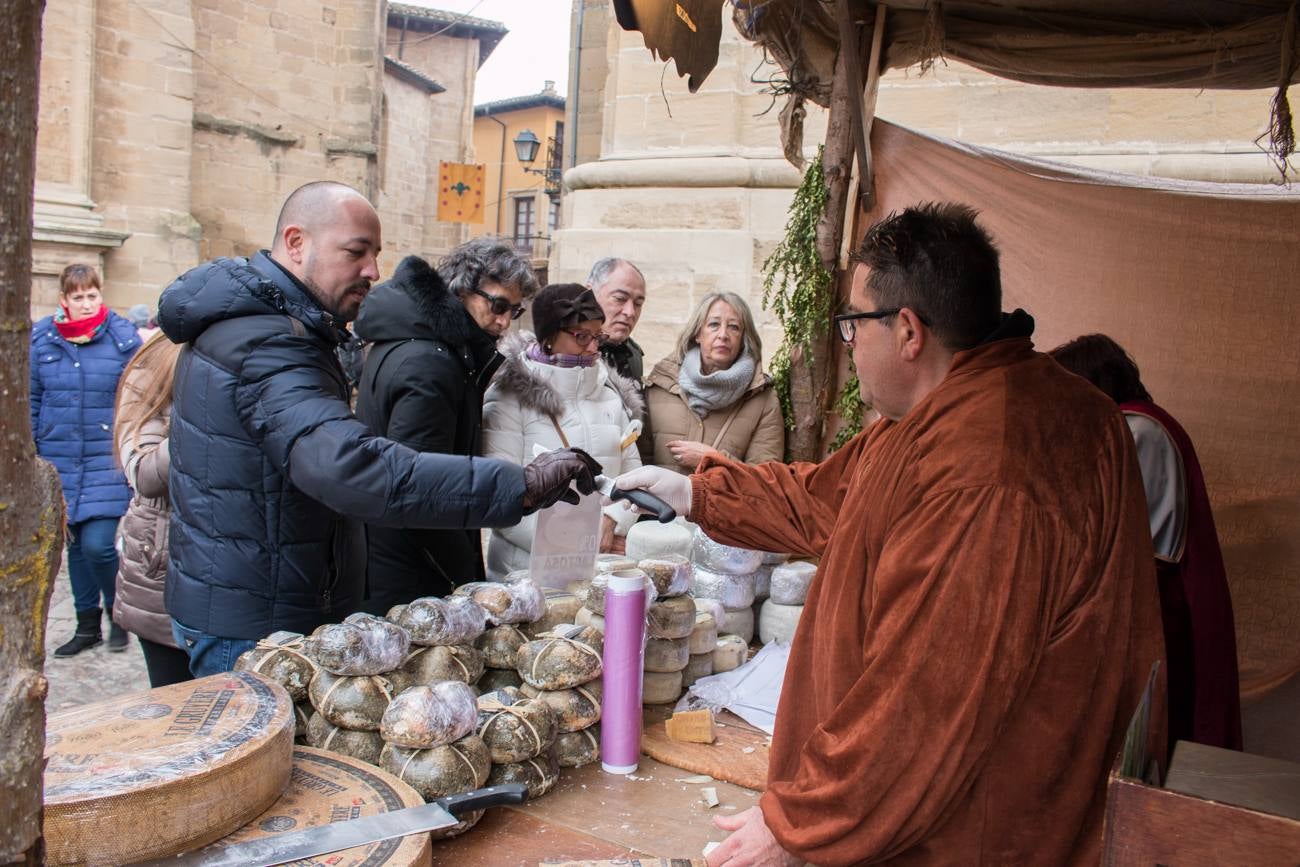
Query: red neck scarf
x=80 y=330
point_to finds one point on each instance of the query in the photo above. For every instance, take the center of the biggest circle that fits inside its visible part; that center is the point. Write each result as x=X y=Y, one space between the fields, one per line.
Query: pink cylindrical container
x=624 y=662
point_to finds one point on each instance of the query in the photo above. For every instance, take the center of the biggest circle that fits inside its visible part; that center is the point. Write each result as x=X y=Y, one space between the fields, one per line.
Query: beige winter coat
x=142 y=535
x=751 y=430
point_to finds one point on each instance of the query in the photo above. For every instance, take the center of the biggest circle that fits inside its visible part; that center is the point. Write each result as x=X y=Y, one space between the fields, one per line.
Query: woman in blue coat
x=77 y=357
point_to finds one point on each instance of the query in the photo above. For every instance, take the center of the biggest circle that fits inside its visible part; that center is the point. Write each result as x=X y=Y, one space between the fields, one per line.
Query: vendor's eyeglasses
x=583 y=338
x=846 y=323
x=500 y=305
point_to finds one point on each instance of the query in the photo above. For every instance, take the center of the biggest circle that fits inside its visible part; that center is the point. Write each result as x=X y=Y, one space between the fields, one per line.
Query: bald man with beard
x=271 y=473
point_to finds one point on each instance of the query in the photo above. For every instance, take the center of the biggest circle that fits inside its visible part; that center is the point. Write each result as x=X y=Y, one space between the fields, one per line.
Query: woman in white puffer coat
x=553 y=391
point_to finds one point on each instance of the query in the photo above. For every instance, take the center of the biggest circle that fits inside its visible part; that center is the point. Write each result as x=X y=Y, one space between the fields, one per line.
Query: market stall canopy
x=1220 y=44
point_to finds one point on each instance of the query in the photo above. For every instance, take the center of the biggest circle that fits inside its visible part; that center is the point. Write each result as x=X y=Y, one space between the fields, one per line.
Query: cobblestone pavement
x=93 y=674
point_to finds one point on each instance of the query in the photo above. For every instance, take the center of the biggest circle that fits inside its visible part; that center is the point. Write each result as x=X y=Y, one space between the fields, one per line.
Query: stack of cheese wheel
x=780 y=614
x=519 y=732
x=284 y=658
x=325 y=787
x=670 y=622
x=728 y=575
x=763 y=578
x=561 y=670
x=153 y=773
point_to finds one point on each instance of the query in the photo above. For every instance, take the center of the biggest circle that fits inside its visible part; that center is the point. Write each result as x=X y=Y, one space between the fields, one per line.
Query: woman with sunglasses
x=553 y=390
x=711 y=395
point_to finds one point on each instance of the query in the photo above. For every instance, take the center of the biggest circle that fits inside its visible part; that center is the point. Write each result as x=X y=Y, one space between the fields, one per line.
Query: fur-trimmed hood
x=415 y=303
x=527 y=380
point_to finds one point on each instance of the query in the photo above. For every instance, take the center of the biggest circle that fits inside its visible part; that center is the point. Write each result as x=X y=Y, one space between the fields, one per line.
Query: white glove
x=671 y=487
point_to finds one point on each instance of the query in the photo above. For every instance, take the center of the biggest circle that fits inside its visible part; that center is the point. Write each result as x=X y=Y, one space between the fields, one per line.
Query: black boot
x=116 y=637
x=87 y=635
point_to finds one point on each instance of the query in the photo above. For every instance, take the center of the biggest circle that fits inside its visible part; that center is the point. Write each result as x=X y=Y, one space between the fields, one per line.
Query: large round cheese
x=153 y=773
x=718 y=557
x=778 y=622
x=661 y=687
x=667 y=654
x=700 y=665
x=733 y=591
x=730 y=653
x=671 y=618
x=790 y=582
x=705 y=633
x=325 y=788
x=561 y=607
x=652 y=539
x=738 y=621
x=763 y=581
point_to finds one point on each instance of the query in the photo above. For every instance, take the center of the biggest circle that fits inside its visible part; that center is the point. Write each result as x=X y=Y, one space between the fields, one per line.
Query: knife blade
x=337 y=836
x=638 y=497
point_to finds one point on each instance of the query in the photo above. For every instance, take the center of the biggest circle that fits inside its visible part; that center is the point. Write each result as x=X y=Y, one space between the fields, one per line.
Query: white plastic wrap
x=651 y=539
x=732 y=590
x=763 y=582
x=519 y=601
x=712 y=606
x=594 y=600
x=430 y=716
x=772 y=558
x=360 y=645
x=790 y=582
x=431 y=620
x=717 y=557
x=739 y=621
x=606 y=563
x=670 y=573
x=281 y=656
x=778 y=622
x=500 y=644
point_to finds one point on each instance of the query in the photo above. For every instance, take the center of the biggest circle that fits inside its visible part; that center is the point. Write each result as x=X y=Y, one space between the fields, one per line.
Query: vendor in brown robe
x=984 y=617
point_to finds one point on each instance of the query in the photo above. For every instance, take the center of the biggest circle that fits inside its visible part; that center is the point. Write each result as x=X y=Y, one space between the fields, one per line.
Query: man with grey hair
x=434 y=336
x=620 y=289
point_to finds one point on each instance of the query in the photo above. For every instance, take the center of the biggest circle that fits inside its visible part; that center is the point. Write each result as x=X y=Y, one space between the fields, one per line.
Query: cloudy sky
x=535 y=49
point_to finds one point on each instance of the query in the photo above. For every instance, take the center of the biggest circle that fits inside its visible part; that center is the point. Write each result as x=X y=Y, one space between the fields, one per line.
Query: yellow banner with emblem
x=460 y=192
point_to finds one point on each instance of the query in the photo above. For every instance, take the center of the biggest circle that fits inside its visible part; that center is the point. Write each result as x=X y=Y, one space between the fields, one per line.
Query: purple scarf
x=536 y=353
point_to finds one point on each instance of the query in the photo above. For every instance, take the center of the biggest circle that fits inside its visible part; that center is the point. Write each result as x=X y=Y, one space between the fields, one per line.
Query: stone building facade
x=693 y=188
x=172 y=130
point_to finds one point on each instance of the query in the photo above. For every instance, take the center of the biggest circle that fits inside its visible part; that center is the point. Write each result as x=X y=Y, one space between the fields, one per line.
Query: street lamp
x=527 y=145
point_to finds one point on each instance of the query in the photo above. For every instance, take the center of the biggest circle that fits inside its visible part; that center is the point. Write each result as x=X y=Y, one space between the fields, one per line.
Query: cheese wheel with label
x=733 y=591
x=730 y=653
x=778 y=622
x=705 y=633
x=739 y=622
x=673 y=617
x=153 y=773
x=651 y=539
x=700 y=665
x=364 y=746
x=326 y=787
x=667 y=654
x=790 y=582
x=661 y=687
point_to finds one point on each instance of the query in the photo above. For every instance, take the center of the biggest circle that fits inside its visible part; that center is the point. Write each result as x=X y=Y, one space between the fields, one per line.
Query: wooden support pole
x=867 y=184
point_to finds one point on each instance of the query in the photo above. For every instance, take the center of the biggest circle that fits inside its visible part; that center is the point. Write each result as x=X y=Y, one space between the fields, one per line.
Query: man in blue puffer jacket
x=268 y=463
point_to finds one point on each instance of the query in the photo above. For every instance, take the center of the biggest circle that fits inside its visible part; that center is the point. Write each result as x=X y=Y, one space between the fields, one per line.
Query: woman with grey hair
x=434 y=335
x=711 y=396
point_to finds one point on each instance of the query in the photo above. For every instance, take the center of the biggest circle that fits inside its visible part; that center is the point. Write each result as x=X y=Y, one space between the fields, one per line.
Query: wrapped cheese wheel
x=428 y=665
x=705 y=633
x=446 y=770
x=281 y=656
x=606 y=563
x=558 y=661
x=500 y=644
x=561 y=607
x=360 y=645
x=671 y=574
x=732 y=590
x=712 y=606
x=515 y=730
x=574 y=709
x=430 y=716
x=717 y=557
x=362 y=745
x=730 y=653
x=575 y=749
x=499 y=678
x=763 y=581
x=538 y=774
x=431 y=620
x=673 y=617
x=651 y=539
x=595 y=595
x=395 y=612
x=772 y=558
x=778 y=622
x=667 y=654
x=790 y=582
x=738 y=622
x=353 y=702
x=700 y=665
x=661 y=687
x=518 y=601
x=585 y=617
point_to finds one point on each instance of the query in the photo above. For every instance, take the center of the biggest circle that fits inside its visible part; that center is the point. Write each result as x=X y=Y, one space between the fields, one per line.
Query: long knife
x=337 y=836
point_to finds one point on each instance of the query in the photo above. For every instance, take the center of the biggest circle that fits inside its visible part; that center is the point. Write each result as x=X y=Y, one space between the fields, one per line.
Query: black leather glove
x=547 y=478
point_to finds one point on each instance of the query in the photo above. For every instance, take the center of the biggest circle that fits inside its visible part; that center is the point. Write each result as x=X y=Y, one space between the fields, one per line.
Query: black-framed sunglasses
x=500 y=305
x=846 y=323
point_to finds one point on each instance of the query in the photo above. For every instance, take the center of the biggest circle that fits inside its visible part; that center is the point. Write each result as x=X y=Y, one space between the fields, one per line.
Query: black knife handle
x=643 y=499
x=479 y=799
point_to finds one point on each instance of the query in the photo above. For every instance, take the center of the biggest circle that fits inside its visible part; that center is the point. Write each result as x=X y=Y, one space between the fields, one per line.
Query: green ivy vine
x=799 y=290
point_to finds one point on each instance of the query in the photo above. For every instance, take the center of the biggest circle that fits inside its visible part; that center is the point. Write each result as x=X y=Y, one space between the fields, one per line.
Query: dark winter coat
x=627 y=359
x=422 y=385
x=73 y=389
x=268 y=460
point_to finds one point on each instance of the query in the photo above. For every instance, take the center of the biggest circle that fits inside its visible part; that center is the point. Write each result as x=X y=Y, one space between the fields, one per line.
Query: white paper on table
x=751 y=691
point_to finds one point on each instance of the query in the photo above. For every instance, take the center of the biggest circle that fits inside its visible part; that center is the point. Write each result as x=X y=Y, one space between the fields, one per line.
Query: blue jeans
x=209 y=654
x=92 y=563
